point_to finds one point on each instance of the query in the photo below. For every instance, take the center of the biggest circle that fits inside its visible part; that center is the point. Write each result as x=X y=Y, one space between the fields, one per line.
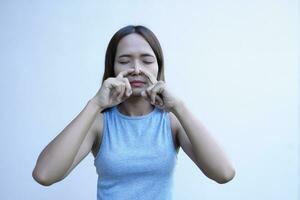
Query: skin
x=134 y=52
x=135 y=60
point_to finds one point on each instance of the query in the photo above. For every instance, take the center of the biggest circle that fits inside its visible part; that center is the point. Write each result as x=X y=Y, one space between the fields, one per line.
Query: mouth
x=137 y=83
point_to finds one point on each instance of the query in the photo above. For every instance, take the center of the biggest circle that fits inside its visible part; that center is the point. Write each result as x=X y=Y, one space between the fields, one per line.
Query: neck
x=135 y=106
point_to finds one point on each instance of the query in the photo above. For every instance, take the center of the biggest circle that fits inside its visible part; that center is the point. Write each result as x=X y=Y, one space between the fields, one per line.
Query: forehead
x=132 y=44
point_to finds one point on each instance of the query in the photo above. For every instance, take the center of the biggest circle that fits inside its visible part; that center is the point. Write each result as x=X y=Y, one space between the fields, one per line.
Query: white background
x=234 y=63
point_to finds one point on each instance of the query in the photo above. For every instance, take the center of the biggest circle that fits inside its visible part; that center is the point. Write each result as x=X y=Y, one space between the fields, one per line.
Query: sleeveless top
x=136 y=158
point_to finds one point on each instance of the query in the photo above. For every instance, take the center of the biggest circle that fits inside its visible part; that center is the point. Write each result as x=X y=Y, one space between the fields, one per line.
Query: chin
x=137 y=91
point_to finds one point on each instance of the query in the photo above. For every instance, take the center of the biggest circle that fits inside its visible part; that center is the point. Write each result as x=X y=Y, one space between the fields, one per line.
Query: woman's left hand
x=158 y=93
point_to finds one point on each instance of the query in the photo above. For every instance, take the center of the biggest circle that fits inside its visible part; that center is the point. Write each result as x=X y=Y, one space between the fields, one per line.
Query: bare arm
x=193 y=137
x=201 y=147
x=56 y=160
x=75 y=141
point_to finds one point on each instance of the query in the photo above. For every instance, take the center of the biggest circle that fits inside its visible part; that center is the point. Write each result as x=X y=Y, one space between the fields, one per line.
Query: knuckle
x=119 y=83
x=111 y=79
x=106 y=81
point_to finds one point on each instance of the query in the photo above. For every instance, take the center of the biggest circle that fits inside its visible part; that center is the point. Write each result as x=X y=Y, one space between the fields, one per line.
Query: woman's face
x=134 y=52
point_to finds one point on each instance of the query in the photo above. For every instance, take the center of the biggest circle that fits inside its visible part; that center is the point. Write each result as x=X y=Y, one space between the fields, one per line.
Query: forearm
x=57 y=157
x=209 y=155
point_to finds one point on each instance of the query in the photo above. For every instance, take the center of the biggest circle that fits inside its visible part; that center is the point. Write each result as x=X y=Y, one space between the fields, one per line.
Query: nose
x=136 y=69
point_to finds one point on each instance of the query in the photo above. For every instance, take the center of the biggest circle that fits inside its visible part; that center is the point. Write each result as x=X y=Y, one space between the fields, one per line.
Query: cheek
x=154 y=71
x=118 y=69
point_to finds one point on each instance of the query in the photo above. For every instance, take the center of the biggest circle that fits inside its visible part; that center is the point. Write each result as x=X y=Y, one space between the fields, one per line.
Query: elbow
x=42 y=180
x=227 y=176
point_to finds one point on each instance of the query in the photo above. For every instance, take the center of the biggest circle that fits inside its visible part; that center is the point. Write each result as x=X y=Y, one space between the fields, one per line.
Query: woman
x=134 y=126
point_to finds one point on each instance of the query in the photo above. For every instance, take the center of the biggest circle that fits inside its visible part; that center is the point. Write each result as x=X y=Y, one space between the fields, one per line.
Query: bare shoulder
x=174 y=127
x=99 y=130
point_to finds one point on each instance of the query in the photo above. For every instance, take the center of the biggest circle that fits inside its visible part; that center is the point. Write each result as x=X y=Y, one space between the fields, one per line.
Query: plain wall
x=234 y=63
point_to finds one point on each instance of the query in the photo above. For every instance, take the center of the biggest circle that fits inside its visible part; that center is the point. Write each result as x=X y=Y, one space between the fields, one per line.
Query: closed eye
x=123 y=62
x=148 y=62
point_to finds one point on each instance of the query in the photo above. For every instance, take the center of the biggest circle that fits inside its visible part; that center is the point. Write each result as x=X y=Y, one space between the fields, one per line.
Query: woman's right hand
x=113 y=91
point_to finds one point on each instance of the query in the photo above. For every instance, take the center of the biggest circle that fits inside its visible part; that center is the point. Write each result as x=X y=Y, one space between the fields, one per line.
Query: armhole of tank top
x=169 y=127
x=103 y=136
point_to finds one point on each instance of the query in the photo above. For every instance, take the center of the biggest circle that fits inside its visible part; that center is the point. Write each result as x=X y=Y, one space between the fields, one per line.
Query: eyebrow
x=142 y=55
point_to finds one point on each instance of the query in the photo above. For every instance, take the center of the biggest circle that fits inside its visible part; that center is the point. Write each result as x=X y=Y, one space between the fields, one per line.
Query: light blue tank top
x=137 y=157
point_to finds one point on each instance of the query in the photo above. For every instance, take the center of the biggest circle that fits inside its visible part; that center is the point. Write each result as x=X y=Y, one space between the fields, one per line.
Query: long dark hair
x=147 y=34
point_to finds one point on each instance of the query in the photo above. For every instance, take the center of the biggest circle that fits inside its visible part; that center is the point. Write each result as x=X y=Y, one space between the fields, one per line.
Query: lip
x=136 y=81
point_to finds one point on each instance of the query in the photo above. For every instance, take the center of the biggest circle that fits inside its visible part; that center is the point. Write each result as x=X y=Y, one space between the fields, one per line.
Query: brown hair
x=147 y=34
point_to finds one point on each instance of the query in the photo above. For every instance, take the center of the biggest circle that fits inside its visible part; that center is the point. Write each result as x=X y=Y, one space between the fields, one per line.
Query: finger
x=121 y=94
x=118 y=87
x=115 y=90
x=152 y=96
x=146 y=95
x=155 y=90
x=127 y=87
x=124 y=73
x=149 y=76
x=159 y=87
x=158 y=101
x=114 y=94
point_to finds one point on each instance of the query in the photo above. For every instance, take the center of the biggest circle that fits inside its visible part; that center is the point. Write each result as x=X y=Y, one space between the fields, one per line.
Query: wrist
x=94 y=102
x=177 y=108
